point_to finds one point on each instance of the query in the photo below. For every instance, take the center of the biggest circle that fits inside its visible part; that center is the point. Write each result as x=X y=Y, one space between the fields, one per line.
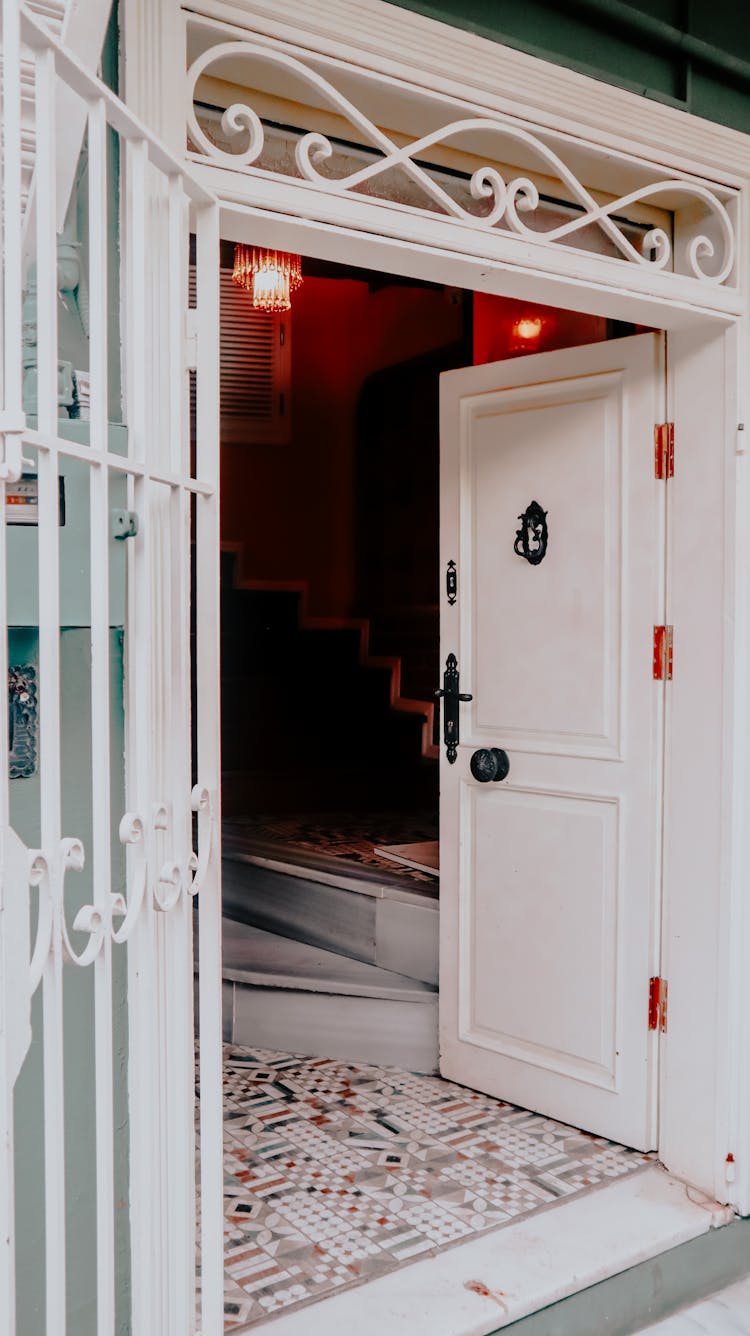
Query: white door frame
x=705 y=1084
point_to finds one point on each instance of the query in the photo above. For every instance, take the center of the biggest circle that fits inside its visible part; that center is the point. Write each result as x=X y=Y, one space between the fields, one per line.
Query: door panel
x=548 y=693
x=549 y=879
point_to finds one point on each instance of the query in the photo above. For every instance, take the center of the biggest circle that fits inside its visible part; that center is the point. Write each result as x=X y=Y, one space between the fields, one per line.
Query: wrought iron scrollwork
x=496 y=200
x=532 y=536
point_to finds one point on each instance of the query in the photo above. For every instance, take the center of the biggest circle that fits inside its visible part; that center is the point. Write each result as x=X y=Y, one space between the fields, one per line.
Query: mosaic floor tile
x=348 y=837
x=336 y=1173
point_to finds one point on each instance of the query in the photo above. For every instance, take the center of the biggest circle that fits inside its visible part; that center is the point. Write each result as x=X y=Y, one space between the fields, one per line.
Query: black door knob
x=489 y=763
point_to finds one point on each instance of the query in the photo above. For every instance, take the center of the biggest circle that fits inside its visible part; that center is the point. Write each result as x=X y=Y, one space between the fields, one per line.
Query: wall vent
x=255 y=368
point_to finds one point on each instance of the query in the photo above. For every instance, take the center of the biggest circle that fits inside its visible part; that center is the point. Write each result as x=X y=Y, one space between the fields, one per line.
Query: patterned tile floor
x=337 y=1172
x=343 y=836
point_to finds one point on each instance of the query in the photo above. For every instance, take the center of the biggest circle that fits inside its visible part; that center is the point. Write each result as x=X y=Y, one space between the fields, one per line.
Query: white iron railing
x=175 y=499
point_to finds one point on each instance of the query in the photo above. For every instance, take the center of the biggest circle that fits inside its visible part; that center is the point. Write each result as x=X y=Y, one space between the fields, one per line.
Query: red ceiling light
x=527 y=330
x=269 y=276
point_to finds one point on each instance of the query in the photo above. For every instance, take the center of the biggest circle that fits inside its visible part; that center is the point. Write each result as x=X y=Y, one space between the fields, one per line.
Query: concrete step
x=287 y=995
x=386 y=921
x=605 y=1263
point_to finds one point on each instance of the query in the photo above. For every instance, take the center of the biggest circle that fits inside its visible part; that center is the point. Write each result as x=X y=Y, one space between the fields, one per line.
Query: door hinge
x=657 y=1004
x=663 y=643
x=664 y=450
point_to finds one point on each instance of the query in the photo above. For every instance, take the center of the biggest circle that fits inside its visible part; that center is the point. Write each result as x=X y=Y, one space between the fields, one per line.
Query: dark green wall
x=694 y=54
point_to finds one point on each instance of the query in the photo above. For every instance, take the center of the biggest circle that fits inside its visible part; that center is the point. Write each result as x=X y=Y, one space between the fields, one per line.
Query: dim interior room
x=330 y=614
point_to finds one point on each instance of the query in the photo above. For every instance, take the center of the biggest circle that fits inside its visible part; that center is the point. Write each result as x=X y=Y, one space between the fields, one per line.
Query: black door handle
x=451 y=697
x=489 y=763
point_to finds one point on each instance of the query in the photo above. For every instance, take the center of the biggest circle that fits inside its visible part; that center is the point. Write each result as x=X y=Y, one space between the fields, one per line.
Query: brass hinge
x=663 y=644
x=657 y=1004
x=664 y=450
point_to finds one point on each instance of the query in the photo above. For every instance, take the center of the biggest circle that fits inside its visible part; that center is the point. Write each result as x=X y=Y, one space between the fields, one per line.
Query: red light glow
x=528 y=328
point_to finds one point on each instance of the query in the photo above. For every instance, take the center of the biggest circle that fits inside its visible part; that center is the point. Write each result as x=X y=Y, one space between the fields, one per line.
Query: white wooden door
x=549 y=878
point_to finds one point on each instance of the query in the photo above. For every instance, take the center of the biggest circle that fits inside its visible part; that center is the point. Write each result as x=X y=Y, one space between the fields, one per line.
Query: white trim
x=439 y=58
x=704 y=222
x=414 y=255
x=709 y=533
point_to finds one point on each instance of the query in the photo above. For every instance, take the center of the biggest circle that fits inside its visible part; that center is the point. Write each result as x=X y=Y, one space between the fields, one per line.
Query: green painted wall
x=75 y=650
x=644 y=46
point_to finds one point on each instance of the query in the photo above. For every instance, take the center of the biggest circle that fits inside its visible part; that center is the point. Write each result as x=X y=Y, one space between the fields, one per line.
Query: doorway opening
x=332 y=588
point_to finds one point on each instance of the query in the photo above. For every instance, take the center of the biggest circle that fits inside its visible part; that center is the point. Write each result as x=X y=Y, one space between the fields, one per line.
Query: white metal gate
x=167 y=487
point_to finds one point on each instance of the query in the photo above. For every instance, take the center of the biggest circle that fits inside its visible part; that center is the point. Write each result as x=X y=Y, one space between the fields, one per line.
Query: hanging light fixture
x=269 y=276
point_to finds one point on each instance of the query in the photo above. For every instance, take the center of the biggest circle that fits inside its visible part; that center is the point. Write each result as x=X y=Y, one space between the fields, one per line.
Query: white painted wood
x=322 y=868
x=441 y=58
x=424 y=857
x=252 y=956
x=81 y=28
x=407 y=938
x=377 y=1030
x=702 y=1144
x=423 y=249
x=432 y=56
x=698 y=799
x=49 y=695
x=550 y=879
x=207 y=799
x=15 y=990
x=584 y=274
x=481 y=1286
x=101 y=852
x=381 y=925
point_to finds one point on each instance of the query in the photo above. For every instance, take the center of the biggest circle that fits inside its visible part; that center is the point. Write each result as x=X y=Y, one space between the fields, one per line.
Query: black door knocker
x=531 y=538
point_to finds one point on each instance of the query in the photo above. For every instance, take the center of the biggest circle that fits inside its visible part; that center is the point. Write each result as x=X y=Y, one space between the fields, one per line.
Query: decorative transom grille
x=493 y=200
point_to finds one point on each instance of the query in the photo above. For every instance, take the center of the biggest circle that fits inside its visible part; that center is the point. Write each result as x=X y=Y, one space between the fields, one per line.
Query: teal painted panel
x=79 y=1017
x=23 y=558
x=599 y=39
x=720 y=102
x=542 y=30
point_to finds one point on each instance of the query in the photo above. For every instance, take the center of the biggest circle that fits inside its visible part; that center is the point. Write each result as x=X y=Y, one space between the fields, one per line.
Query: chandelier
x=269 y=276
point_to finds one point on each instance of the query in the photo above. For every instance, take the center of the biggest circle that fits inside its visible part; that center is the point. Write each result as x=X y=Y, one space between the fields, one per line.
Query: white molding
x=421 y=256
x=380 y=39
x=388 y=40
x=151 y=33
x=704 y=228
x=282 y=197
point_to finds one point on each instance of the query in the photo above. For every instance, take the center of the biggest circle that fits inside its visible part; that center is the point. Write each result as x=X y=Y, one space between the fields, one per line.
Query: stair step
x=252 y=956
x=386 y=922
x=287 y=995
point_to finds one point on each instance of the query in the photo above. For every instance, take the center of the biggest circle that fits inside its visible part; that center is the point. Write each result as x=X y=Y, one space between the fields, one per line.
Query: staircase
x=323 y=957
x=321 y=954
x=312 y=717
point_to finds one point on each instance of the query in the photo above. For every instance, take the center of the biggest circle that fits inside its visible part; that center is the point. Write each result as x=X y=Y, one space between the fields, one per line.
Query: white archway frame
x=705 y=1096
